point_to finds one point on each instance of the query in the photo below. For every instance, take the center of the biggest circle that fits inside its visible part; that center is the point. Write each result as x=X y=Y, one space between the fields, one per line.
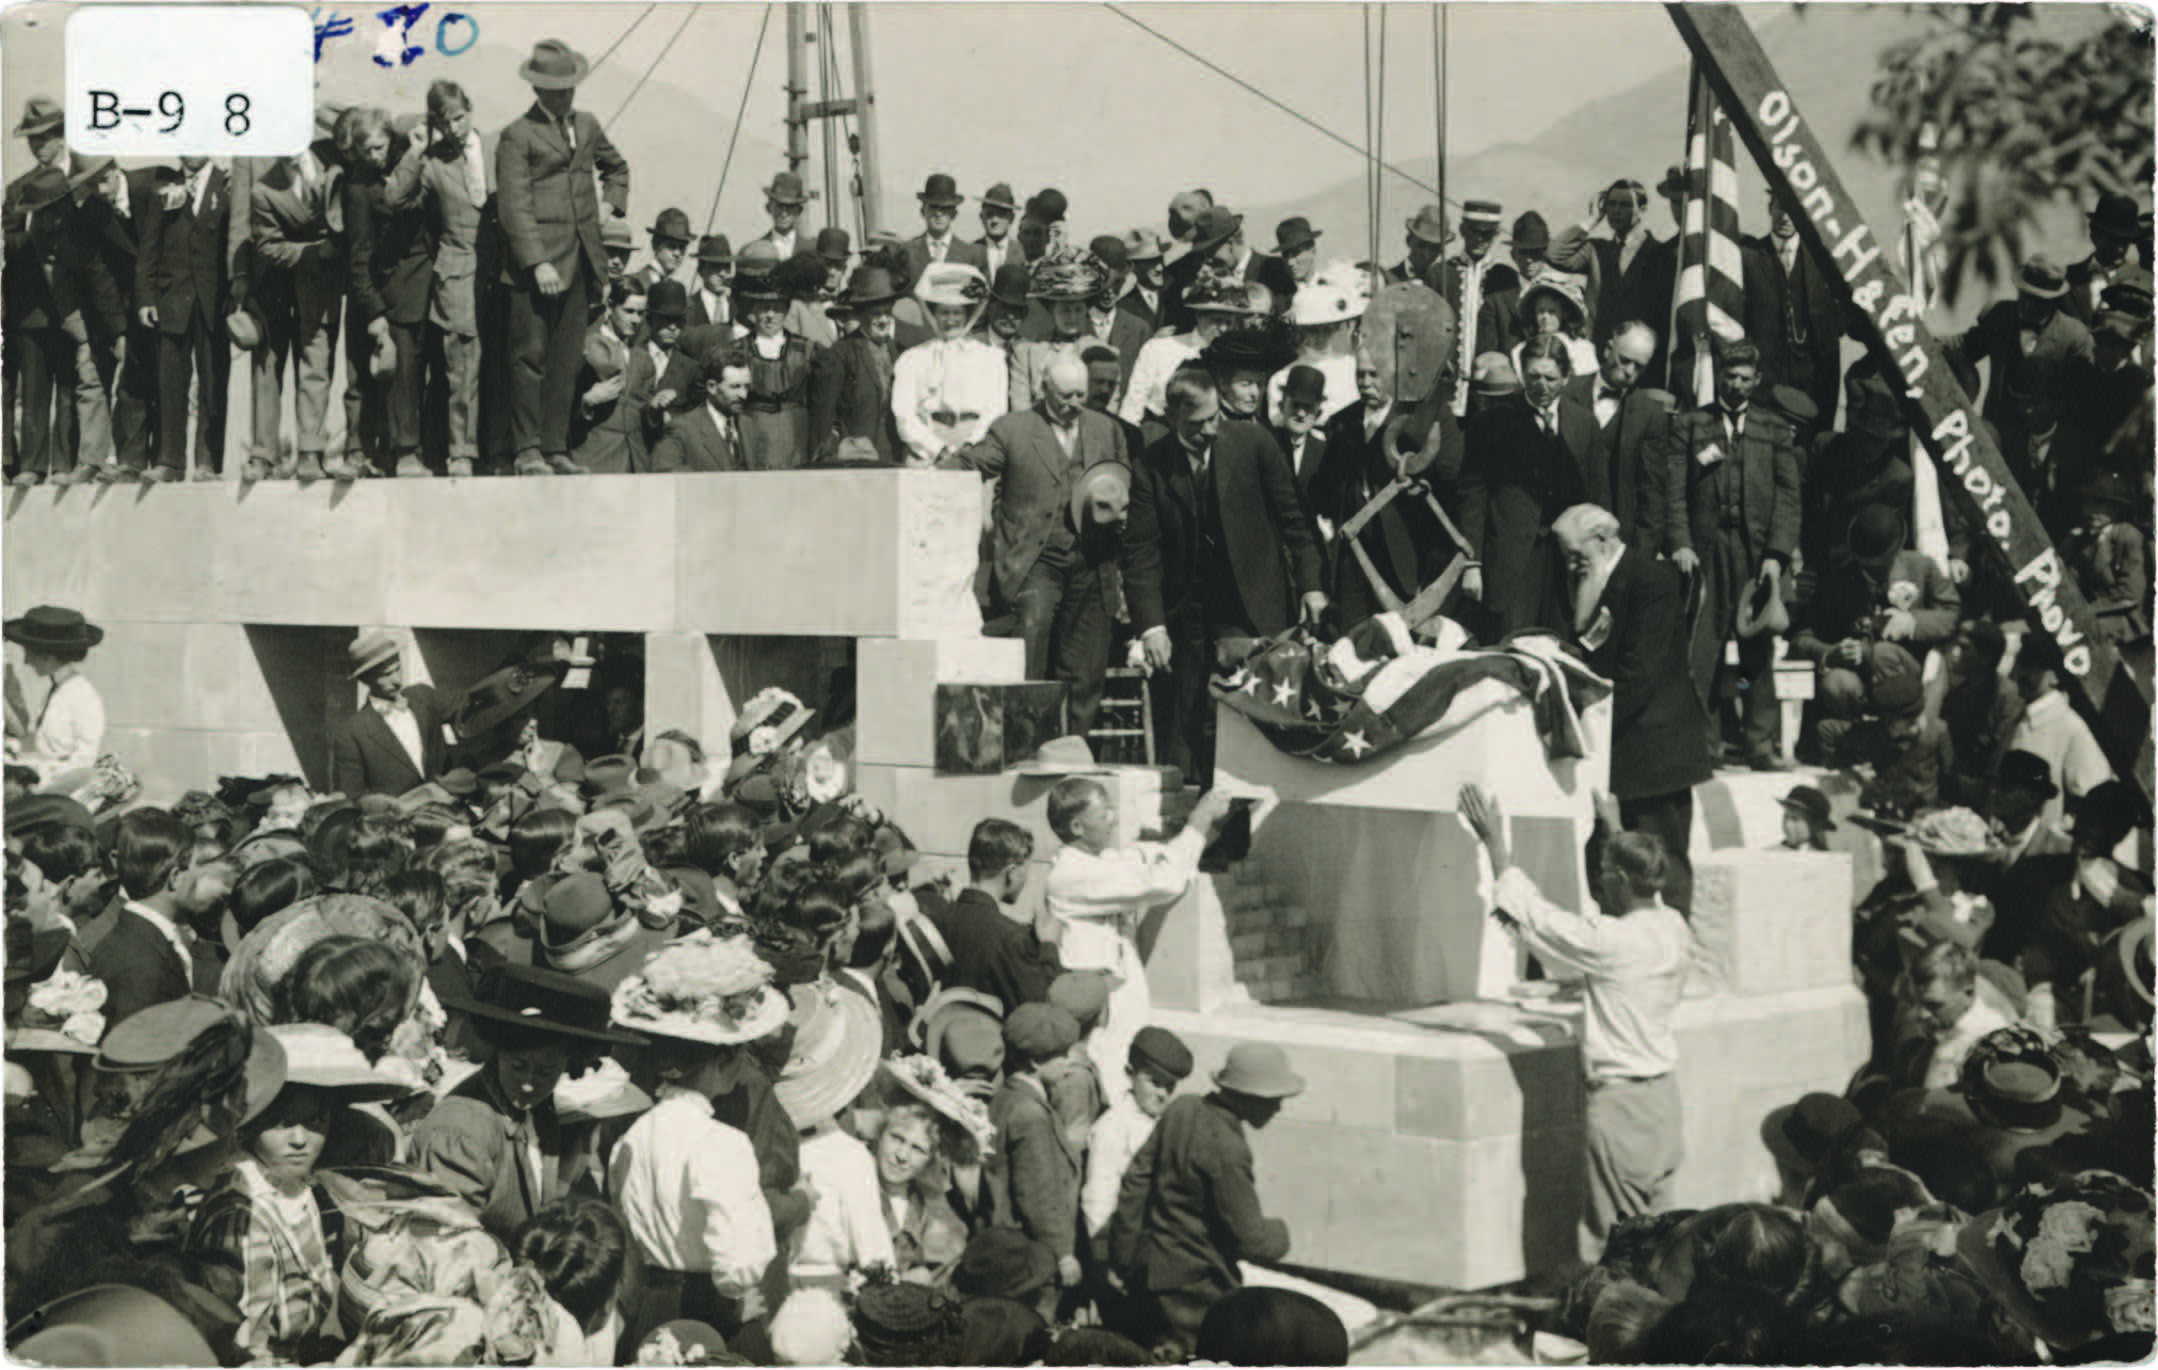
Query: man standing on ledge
x=1634 y=958
x=549 y=205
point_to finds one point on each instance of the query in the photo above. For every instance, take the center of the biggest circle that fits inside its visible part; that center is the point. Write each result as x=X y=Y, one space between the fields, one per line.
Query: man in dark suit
x=850 y=382
x=155 y=951
x=1404 y=541
x=1104 y=383
x=544 y=177
x=711 y=299
x=1498 y=319
x=393 y=743
x=2115 y=229
x=2025 y=341
x=1218 y=551
x=1792 y=312
x=1034 y=1173
x=1428 y=236
x=1107 y=320
x=180 y=290
x=1303 y=400
x=993 y=952
x=1629 y=617
x=940 y=199
x=1631 y=274
x=449 y=176
x=135 y=424
x=296 y=288
x=40 y=355
x=1045 y=567
x=1188 y=1213
x=1611 y=423
x=1142 y=253
x=390 y=272
x=708 y=438
x=1732 y=517
x=73 y=309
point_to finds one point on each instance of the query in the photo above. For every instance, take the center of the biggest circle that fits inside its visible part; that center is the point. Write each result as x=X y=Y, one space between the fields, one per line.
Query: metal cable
x=654 y=66
x=756 y=53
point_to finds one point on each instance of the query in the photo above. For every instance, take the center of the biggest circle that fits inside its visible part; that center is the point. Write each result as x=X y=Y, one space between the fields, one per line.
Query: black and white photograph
x=1137 y=683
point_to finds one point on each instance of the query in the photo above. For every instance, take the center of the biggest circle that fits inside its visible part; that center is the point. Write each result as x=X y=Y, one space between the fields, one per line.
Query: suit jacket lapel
x=386 y=737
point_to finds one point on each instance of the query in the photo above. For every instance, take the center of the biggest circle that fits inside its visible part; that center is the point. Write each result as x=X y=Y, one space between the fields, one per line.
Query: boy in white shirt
x=1159 y=1062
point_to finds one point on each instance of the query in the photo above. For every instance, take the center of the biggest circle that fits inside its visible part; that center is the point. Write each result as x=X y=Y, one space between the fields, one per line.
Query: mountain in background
x=1826 y=57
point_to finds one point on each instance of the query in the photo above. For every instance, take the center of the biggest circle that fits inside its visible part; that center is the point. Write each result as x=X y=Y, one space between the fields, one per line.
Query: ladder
x=1123 y=731
x=1793 y=159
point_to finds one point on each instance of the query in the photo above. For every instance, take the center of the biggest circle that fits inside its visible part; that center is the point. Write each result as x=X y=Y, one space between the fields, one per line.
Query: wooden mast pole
x=865 y=116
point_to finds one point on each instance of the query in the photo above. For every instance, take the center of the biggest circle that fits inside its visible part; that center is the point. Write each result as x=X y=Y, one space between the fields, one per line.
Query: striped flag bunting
x=1711 y=292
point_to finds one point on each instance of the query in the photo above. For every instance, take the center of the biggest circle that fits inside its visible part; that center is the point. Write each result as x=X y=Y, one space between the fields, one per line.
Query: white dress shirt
x=1158 y=360
x=997 y=253
x=785 y=245
x=1092 y=904
x=1945 y=1068
x=1635 y=968
x=403 y=726
x=1605 y=402
x=2051 y=730
x=1117 y=1136
x=70 y=730
x=846 y=1229
x=956 y=376
x=686 y=1187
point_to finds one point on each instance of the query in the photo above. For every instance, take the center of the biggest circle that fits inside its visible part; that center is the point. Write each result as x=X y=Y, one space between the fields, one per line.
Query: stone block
x=140 y=670
x=1770 y=921
x=897 y=683
x=1248 y=946
x=1497 y=1092
x=940 y=811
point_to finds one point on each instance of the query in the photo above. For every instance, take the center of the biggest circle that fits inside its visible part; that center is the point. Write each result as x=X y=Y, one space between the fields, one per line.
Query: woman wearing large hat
x=838 y=1035
x=774 y=422
x=1554 y=304
x=687 y=1184
x=496 y=1140
x=947 y=391
x=260 y=1237
x=67 y=729
x=927 y=1131
x=850 y=382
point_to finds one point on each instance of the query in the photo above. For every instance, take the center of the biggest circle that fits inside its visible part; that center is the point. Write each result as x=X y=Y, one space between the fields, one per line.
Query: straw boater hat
x=51 y=628
x=2041 y=278
x=924 y=1078
x=703 y=989
x=837 y=1039
x=1484 y=214
x=369 y=653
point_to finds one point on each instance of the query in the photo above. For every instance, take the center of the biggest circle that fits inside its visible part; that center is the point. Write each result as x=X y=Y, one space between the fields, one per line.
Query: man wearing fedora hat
x=850 y=382
x=394 y=741
x=1427 y=237
x=711 y=299
x=41 y=366
x=1499 y=324
x=1143 y=254
x=784 y=200
x=940 y=200
x=670 y=239
x=552 y=166
x=999 y=207
x=2024 y=341
x=1296 y=242
x=617 y=421
x=1218 y=251
x=182 y=290
x=1188 y=1214
x=1047 y=570
x=2118 y=241
x=71 y=309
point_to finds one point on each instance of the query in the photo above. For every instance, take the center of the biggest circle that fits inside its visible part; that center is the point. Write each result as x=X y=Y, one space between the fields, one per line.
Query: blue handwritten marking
x=336 y=26
x=442 y=27
x=408 y=15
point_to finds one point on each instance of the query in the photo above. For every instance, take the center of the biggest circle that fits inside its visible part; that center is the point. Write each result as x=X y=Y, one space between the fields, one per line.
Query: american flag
x=1353 y=701
x=1711 y=292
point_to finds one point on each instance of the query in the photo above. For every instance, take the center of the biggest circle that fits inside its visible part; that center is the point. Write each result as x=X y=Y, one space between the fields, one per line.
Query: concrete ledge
x=868 y=553
x=895 y=710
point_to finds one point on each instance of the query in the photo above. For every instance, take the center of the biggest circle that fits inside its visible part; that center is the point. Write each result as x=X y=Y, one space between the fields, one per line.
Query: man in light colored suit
x=452 y=177
x=708 y=437
x=941 y=199
x=544 y=174
x=1046 y=569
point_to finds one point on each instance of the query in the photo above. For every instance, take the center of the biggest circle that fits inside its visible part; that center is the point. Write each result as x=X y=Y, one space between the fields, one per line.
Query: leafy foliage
x=2022 y=119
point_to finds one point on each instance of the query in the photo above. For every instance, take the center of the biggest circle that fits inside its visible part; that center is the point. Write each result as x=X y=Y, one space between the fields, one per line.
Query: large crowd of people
x=549 y=1034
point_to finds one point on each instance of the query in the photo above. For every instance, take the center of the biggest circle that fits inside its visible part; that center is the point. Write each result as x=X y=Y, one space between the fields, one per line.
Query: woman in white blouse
x=68 y=729
x=947 y=391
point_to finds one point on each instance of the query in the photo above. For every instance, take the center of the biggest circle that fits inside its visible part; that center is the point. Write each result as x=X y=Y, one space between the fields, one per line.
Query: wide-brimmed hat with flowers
x=769 y=719
x=924 y=1078
x=953 y=284
x=65 y=1013
x=2071 y=1262
x=1949 y=832
x=703 y=989
x=1067 y=275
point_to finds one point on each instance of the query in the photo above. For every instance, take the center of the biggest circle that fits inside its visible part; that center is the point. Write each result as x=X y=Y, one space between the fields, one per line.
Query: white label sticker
x=190 y=80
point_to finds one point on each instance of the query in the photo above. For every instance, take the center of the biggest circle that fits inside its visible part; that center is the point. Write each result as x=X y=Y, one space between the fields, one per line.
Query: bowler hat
x=369 y=653
x=1259 y=1069
x=541 y=1000
x=713 y=249
x=500 y=697
x=1142 y=245
x=1004 y=1263
x=1048 y=206
x=666 y=302
x=1817 y=1122
x=2041 y=278
x=40 y=115
x=672 y=226
x=1109 y=250
x=1009 y=287
x=1040 y=1030
x=1812 y=804
x=1216 y=225
x=1306 y=385
x=1531 y=233
x=1294 y=234
x=553 y=65
x=51 y=628
x=1430 y=226
x=1157 y=1048
x=834 y=245
x=2022 y=770
x=786 y=188
x=999 y=196
x=870 y=285
x=1876 y=532
x=940 y=191
x=2115 y=216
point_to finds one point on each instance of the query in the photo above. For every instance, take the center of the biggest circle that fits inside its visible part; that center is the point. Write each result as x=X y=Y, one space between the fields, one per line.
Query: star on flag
x=1354 y=744
x=1285 y=693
